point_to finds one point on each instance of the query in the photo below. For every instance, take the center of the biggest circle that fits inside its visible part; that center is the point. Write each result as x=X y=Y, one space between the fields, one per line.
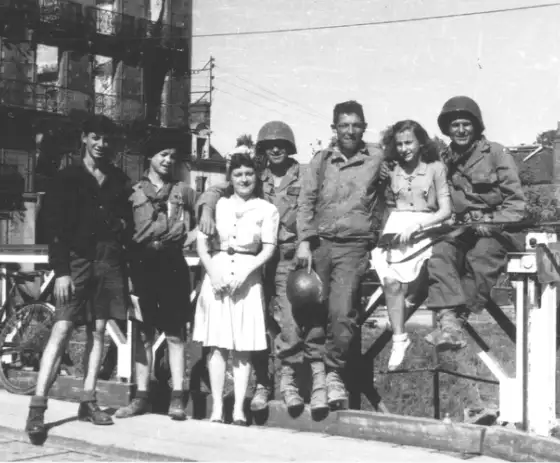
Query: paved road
x=15 y=446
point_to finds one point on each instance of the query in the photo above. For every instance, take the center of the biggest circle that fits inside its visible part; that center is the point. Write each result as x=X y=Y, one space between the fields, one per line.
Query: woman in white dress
x=230 y=314
x=420 y=199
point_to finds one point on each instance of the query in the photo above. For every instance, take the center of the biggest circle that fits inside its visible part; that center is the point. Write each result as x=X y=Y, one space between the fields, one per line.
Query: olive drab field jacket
x=485 y=184
x=338 y=196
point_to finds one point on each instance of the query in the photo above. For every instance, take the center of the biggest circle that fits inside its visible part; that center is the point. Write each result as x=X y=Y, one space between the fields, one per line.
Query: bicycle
x=24 y=332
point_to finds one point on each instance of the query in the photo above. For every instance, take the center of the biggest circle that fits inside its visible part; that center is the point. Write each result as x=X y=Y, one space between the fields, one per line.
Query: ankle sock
x=177 y=394
x=88 y=396
x=400 y=337
x=38 y=401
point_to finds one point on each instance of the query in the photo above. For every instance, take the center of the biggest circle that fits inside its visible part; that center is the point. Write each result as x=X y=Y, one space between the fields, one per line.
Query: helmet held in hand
x=304 y=288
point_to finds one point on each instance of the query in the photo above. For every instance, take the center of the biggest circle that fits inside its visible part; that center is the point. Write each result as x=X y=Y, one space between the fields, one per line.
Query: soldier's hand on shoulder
x=384 y=171
x=207 y=224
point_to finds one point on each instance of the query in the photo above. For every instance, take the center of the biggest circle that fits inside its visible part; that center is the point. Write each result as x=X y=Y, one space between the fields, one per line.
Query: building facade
x=61 y=60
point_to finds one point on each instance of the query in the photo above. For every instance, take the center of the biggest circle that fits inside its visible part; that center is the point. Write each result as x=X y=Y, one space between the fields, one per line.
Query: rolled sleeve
x=211 y=197
x=440 y=182
x=270 y=224
x=307 y=200
x=513 y=205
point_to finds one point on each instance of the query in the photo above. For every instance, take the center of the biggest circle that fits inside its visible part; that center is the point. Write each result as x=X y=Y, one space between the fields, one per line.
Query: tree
x=546 y=138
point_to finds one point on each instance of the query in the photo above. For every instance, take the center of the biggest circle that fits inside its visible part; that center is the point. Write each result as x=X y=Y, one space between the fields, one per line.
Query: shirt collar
x=421 y=169
x=336 y=154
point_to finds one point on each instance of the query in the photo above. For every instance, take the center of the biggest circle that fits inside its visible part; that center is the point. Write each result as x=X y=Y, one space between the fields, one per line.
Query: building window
x=201 y=183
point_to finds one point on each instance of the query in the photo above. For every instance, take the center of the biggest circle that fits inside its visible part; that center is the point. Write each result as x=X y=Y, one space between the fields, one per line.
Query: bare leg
x=176 y=347
x=217 y=363
x=395 y=293
x=56 y=345
x=241 y=374
x=93 y=354
x=144 y=360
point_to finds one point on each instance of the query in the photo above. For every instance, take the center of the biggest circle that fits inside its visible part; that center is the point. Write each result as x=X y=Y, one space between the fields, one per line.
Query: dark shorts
x=161 y=280
x=101 y=291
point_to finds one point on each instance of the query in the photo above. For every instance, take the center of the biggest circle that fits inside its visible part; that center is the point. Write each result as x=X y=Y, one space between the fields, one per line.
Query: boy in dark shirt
x=163 y=225
x=88 y=218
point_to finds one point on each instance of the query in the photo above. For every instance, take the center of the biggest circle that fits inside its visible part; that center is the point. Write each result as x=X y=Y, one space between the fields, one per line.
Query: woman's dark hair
x=243 y=160
x=429 y=151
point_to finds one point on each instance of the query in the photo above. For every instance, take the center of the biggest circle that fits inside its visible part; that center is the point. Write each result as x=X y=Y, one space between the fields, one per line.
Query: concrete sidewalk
x=157 y=438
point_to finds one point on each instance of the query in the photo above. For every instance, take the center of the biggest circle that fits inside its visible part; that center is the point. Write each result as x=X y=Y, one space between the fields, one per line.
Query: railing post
x=541 y=356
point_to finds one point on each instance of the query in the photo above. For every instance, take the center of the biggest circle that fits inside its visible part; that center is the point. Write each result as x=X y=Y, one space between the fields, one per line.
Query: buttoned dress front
x=416 y=196
x=237 y=321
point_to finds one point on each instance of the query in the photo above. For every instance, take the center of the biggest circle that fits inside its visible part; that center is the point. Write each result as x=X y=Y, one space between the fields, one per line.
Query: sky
x=508 y=62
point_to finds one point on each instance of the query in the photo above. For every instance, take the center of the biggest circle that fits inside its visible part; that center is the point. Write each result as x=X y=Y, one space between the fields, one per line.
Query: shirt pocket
x=485 y=185
x=176 y=208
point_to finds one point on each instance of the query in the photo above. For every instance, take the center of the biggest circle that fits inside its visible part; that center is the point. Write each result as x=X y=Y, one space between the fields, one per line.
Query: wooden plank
x=406 y=430
x=513 y=445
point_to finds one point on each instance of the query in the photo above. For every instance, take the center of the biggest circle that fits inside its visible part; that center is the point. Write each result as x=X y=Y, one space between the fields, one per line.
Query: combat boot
x=289 y=389
x=259 y=402
x=337 y=394
x=449 y=333
x=318 y=400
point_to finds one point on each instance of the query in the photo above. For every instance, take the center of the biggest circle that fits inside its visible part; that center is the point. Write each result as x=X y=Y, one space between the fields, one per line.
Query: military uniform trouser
x=463 y=271
x=341 y=266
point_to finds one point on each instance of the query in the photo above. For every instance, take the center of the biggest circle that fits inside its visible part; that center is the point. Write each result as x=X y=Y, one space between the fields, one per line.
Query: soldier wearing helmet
x=281 y=179
x=485 y=188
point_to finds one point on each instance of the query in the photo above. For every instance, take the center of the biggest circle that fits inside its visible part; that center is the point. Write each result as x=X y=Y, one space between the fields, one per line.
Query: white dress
x=387 y=262
x=237 y=322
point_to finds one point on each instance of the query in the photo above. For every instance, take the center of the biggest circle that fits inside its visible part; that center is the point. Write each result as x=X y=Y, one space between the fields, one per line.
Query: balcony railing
x=82 y=21
x=60 y=100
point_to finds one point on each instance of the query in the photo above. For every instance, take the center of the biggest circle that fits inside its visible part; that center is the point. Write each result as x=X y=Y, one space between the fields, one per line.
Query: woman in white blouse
x=230 y=311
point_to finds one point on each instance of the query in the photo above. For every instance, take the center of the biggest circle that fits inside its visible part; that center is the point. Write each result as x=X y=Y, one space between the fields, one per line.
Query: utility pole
x=210 y=101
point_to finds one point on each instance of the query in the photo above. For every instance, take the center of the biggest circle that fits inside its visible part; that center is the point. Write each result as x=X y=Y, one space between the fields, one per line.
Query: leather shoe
x=177 y=409
x=90 y=411
x=35 y=425
x=240 y=423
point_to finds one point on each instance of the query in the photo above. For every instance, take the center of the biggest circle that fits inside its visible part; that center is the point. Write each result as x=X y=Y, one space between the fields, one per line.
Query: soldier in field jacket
x=485 y=188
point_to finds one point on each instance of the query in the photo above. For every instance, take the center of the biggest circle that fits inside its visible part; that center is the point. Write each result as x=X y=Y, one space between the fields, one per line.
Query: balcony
x=54 y=99
x=66 y=18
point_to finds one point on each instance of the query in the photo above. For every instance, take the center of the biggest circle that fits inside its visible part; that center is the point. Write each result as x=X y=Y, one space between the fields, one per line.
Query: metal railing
x=85 y=22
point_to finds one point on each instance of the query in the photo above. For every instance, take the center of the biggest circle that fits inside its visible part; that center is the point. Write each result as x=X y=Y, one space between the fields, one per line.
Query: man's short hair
x=348 y=107
x=99 y=124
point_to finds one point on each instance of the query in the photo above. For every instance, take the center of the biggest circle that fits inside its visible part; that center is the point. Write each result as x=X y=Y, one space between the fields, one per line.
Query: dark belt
x=159 y=246
x=232 y=251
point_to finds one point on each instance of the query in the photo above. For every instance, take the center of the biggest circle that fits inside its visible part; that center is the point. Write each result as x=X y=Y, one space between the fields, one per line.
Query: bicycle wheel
x=22 y=341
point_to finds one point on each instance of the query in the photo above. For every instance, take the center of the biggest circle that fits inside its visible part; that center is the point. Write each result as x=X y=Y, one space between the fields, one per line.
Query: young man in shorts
x=88 y=222
x=163 y=225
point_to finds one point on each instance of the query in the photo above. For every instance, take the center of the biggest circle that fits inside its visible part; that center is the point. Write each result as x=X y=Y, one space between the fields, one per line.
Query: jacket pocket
x=485 y=185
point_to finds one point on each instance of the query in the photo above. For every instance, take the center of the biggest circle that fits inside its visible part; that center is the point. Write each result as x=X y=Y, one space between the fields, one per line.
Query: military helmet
x=304 y=288
x=455 y=107
x=276 y=130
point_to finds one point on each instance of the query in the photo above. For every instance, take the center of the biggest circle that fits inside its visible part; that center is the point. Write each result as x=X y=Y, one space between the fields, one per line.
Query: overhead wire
x=267 y=90
x=277 y=100
x=336 y=26
x=378 y=23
